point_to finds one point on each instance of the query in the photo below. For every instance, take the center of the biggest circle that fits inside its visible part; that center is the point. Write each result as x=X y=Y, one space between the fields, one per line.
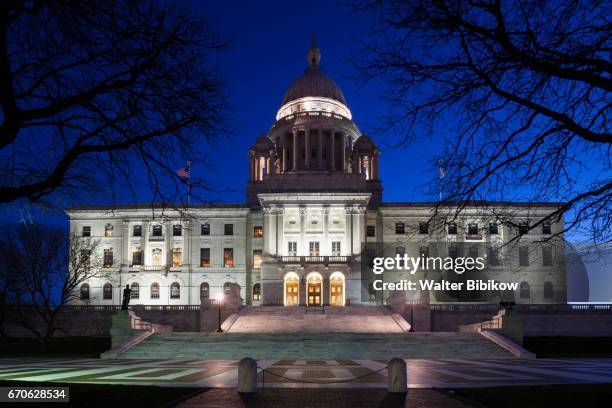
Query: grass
x=82 y=347
x=107 y=395
x=551 y=347
x=540 y=396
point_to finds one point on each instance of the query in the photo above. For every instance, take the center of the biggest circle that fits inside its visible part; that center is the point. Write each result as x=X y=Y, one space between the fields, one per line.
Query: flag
x=183 y=173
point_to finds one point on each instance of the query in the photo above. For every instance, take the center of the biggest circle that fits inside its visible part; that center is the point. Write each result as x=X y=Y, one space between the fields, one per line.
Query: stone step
x=324 y=346
x=325 y=323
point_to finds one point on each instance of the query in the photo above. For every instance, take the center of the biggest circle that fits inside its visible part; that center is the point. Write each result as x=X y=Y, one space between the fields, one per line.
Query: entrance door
x=314 y=290
x=337 y=289
x=292 y=287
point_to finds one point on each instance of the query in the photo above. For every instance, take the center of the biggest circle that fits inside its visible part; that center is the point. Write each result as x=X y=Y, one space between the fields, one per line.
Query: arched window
x=135 y=294
x=155 y=290
x=85 y=291
x=205 y=291
x=107 y=291
x=175 y=291
x=257 y=291
x=548 y=290
x=524 y=290
x=227 y=288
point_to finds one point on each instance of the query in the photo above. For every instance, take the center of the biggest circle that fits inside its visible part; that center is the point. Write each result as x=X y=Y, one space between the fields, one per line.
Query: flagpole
x=188 y=182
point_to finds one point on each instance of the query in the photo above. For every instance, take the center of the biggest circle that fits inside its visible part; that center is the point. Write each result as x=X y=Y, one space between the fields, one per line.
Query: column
x=284 y=143
x=302 y=246
x=320 y=151
x=295 y=149
x=125 y=243
x=333 y=150
x=358 y=228
x=144 y=238
x=267 y=228
x=307 y=148
x=343 y=138
x=325 y=243
x=187 y=257
x=347 y=248
x=280 y=247
x=167 y=230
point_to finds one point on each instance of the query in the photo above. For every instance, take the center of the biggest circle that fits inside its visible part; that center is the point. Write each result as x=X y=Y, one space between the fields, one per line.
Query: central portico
x=312 y=250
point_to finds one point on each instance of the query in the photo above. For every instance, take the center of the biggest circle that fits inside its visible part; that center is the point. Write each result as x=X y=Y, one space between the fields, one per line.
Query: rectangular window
x=400 y=250
x=371 y=231
x=85 y=258
x=257 y=258
x=292 y=248
x=228 y=229
x=452 y=228
x=177 y=230
x=472 y=229
x=137 y=257
x=546 y=229
x=108 y=257
x=313 y=247
x=523 y=228
x=473 y=252
x=400 y=228
x=547 y=259
x=137 y=230
x=523 y=256
x=156 y=230
x=493 y=254
x=493 y=229
x=258 y=232
x=205 y=257
x=423 y=228
x=424 y=251
x=335 y=248
x=228 y=257
x=108 y=230
x=177 y=257
x=205 y=229
x=453 y=252
x=86 y=231
x=156 y=256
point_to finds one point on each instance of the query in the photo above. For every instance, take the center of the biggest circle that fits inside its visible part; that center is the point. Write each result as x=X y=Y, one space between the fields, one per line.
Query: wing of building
x=314 y=199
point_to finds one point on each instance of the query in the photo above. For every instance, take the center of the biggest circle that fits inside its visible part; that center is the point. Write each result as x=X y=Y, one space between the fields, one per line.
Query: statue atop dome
x=314 y=54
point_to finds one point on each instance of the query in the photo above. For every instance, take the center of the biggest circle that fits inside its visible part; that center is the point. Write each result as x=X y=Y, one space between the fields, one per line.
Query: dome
x=314 y=82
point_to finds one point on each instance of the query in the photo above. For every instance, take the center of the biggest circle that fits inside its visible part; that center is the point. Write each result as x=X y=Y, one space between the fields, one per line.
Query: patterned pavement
x=441 y=373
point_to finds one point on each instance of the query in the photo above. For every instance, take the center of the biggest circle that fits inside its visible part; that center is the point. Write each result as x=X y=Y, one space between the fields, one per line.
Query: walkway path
x=441 y=373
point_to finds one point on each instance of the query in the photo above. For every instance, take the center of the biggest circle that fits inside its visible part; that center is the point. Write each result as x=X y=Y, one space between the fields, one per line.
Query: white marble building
x=313 y=198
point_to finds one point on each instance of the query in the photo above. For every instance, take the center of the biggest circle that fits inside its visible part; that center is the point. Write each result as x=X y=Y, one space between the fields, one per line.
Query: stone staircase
x=349 y=319
x=315 y=346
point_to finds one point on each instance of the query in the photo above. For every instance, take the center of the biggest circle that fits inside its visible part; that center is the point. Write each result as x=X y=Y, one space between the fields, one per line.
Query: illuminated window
x=205 y=257
x=108 y=257
x=257 y=258
x=156 y=256
x=257 y=291
x=85 y=291
x=175 y=291
x=155 y=290
x=257 y=232
x=400 y=228
x=137 y=256
x=228 y=257
x=108 y=230
x=177 y=257
x=107 y=291
x=86 y=231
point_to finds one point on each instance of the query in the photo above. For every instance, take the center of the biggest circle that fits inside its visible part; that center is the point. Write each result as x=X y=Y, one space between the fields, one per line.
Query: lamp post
x=219 y=301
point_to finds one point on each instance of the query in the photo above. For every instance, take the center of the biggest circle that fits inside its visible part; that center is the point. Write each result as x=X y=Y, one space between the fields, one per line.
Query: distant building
x=313 y=198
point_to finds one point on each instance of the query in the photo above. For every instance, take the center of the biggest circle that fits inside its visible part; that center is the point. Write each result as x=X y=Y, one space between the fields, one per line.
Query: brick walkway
x=340 y=398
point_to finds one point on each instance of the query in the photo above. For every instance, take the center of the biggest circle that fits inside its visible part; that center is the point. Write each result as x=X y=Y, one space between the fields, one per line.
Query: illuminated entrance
x=336 y=289
x=314 y=285
x=292 y=289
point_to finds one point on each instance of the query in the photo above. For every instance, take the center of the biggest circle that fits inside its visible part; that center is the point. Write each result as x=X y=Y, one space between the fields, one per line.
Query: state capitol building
x=314 y=197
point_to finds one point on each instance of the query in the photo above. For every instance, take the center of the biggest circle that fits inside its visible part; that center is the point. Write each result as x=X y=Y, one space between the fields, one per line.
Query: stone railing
x=326 y=260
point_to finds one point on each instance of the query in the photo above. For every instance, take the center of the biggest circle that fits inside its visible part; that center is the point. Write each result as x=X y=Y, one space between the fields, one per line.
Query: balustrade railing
x=315 y=259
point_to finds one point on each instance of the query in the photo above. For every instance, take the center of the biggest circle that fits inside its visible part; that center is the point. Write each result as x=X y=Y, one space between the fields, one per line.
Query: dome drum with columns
x=314 y=145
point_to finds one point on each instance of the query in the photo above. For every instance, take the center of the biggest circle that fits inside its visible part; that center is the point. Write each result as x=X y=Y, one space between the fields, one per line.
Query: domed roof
x=314 y=82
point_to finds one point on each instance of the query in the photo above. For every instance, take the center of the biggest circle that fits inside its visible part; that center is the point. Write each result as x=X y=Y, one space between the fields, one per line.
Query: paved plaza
x=440 y=373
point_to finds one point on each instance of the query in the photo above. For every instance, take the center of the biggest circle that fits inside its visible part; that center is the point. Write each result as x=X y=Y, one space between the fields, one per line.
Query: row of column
x=297 y=150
